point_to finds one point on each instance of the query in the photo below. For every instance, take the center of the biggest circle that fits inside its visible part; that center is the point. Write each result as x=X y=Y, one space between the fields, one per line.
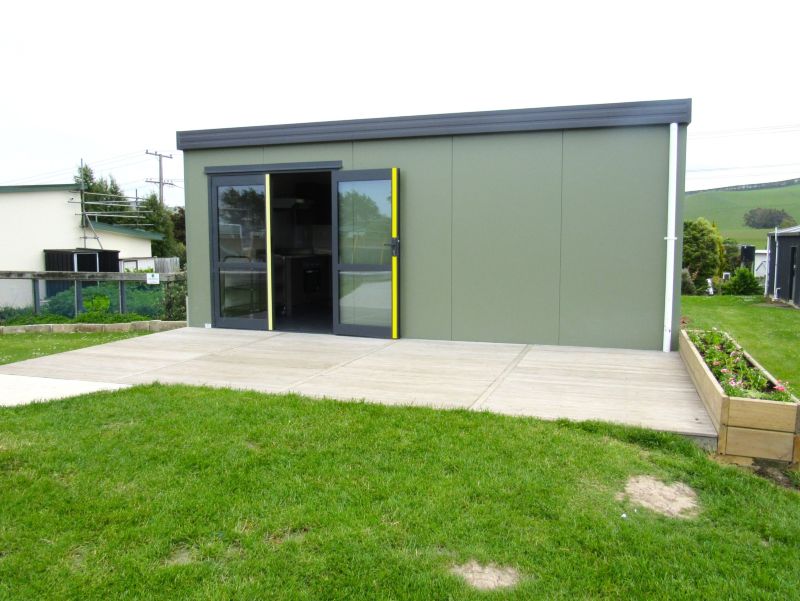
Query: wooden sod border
x=747 y=429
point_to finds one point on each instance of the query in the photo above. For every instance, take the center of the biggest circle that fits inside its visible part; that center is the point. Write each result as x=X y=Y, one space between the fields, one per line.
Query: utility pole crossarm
x=161 y=181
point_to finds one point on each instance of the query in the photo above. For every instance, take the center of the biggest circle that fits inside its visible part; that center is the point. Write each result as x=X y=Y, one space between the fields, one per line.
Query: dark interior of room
x=301 y=251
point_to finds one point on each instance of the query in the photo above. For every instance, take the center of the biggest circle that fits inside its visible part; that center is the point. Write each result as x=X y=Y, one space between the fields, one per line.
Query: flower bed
x=755 y=416
x=734 y=370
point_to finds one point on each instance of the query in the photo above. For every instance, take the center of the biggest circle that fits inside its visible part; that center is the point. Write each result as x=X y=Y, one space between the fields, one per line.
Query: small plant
x=98 y=303
x=743 y=283
x=737 y=376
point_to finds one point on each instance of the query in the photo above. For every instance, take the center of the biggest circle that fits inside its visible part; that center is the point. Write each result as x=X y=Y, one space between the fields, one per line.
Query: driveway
x=643 y=388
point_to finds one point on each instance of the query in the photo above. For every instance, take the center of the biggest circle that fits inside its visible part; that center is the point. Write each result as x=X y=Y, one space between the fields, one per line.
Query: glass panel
x=365 y=222
x=365 y=298
x=242 y=223
x=243 y=294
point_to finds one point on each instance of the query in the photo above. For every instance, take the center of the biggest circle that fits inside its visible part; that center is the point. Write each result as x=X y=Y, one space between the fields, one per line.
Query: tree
x=732 y=256
x=701 y=250
x=103 y=196
x=178 y=215
x=761 y=218
x=160 y=220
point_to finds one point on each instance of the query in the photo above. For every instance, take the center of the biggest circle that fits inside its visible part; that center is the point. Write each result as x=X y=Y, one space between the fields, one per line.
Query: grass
x=727 y=210
x=177 y=492
x=18 y=347
x=770 y=333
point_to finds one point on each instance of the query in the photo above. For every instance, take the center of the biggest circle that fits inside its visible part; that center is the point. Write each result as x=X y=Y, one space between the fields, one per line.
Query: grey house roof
x=126 y=231
x=654 y=112
x=39 y=188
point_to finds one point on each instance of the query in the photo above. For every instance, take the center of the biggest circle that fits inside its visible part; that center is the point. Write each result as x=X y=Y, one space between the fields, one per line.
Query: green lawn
x=770 y=333
x=727 y=210
x=160 y=492
x=18 y=347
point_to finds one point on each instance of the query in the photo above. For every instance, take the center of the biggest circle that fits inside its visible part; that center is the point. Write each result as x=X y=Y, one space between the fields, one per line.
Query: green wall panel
x=425 y=167
x=547 y=237
x=613 y=251
x=506 y=227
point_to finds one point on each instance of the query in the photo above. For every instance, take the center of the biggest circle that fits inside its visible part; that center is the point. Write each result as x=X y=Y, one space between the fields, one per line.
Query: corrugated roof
x=126 y=231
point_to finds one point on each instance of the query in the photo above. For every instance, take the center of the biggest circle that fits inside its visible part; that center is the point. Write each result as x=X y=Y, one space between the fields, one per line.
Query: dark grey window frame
x=239 y=173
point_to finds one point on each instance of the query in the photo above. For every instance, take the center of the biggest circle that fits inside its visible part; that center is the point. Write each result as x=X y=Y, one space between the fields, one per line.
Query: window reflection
x=242 y=223
x=365 y=213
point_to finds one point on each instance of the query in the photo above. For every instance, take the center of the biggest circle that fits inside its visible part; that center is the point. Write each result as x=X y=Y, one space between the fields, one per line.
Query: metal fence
x=36 y=294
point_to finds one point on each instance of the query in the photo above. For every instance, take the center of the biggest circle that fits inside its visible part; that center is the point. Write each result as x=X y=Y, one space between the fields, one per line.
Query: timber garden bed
x=747 y=428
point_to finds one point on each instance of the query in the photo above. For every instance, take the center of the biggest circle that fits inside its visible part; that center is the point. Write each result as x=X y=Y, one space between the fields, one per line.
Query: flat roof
x=650 y=112
x=40 y=188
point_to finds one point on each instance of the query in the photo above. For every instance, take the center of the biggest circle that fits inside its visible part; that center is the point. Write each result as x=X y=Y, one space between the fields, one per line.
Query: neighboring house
x=546 y=226
x=45 y=217
x=784 y=281
x=760 y=264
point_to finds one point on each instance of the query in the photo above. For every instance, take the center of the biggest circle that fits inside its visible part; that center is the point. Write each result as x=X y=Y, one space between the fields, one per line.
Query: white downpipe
x=766 y=279
x=775 y=269
x=671 y=238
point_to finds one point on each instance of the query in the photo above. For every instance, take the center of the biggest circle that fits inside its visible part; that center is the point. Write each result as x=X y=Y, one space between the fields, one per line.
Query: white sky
x=104 y=81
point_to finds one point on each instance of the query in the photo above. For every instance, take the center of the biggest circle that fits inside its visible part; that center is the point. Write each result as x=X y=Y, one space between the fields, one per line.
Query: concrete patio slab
x=21 y=390
x=643 y=388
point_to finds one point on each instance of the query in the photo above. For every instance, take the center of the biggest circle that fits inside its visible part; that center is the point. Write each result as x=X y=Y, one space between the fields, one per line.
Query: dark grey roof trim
x=274 y=168
x=41 y=188
x=654 y=112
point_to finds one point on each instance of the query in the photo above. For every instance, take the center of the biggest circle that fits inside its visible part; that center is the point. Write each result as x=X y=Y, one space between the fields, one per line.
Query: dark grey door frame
x=247 y=174
x=336 y=266
x=240 y=323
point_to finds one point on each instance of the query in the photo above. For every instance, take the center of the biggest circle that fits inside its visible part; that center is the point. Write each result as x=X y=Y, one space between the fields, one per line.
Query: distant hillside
x=727 y=207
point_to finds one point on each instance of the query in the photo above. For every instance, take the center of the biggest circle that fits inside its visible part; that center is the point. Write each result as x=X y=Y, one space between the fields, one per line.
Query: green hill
x=726 y=208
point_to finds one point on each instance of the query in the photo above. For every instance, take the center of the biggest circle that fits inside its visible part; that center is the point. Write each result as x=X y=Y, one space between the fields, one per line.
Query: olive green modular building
x=544 y=226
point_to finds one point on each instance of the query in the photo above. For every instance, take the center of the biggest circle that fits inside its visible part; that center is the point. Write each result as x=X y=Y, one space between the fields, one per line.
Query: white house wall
x=32 y=221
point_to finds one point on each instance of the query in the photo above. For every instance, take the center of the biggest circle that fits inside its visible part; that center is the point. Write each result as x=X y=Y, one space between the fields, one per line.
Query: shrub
x=743 y=283
x=175 y=301
x=701 y=250
x=687 y=285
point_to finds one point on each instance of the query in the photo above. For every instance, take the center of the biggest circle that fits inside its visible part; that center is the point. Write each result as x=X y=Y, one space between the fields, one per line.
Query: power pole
x=160 y=180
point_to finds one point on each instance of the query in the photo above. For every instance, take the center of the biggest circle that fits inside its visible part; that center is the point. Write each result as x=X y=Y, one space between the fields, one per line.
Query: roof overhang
x=126 y=231
x=73 y=187
x=652 y=112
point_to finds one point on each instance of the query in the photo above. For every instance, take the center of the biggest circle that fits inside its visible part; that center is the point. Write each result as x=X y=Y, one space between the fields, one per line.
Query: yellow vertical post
x=268 y=199
x=395 y=274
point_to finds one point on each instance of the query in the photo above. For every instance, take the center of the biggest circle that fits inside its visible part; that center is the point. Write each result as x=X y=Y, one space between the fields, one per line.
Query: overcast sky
x=105 y=81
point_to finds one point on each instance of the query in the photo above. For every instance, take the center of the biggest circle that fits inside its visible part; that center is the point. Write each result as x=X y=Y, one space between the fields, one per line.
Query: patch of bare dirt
x=777 y=475
x=486 y=578
x=287 y=536
x=180 y=556
x=673 y=500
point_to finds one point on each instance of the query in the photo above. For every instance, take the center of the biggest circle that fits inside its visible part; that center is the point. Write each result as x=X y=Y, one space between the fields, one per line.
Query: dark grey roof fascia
x=73 y=187
x=652 y=112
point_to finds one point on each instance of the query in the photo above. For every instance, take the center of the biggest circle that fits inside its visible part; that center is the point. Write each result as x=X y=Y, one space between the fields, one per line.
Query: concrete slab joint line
x=339 y=366
x=238 y=346
x=499 y=379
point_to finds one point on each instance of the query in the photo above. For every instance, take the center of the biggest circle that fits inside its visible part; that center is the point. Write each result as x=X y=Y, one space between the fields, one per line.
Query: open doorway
x=301 y=251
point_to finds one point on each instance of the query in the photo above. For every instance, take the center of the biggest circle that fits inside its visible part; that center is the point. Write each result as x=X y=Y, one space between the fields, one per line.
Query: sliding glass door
x=366 y=249
x=239 y=253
